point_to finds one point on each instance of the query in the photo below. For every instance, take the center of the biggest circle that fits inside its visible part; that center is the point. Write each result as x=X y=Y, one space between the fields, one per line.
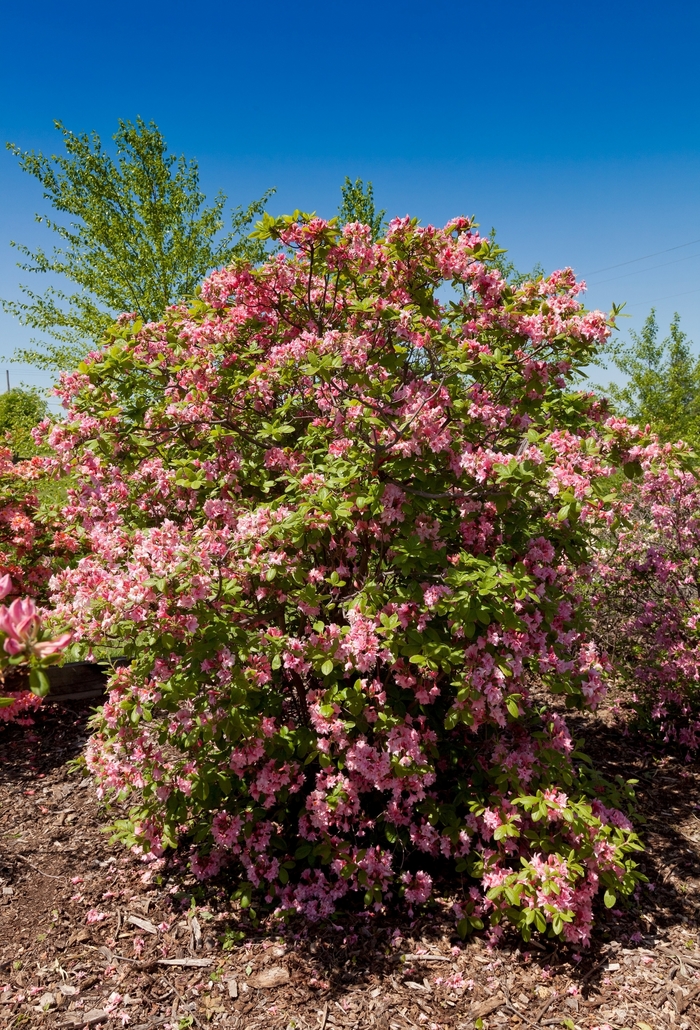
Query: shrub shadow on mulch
x=357 y=970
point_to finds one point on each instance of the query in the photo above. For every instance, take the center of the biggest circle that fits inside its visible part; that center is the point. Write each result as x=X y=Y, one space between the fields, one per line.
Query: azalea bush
x=28 y=647
x=34 y=544
x=646 y=601
x=34 y=539
x=340 y=512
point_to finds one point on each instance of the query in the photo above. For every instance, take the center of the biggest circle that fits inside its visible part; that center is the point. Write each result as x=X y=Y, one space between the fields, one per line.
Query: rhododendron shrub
x=645 y=598
x=34 y=542
x=33 y=545
x=27 y=647
x=337 y=524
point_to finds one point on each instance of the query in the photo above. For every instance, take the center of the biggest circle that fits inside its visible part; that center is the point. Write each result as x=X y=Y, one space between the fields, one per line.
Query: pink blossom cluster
x=32 y=545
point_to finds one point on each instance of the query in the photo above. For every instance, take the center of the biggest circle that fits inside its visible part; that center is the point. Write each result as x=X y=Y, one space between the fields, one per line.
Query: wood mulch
x=91 y=936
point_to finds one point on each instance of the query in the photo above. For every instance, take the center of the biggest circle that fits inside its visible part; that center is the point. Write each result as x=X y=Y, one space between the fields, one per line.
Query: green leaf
x=39 y=682
x=327 y=667
x=609 y=899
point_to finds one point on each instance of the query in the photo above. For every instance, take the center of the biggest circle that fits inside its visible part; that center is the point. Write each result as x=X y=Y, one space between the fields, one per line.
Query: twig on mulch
x=146 y=964
x=182 y=1000
x=423 y=958
x=509 y=1005
x=593 y=971
x=683 y=1003
x=538 y=1015
x=41 y=871
x=544 y=1008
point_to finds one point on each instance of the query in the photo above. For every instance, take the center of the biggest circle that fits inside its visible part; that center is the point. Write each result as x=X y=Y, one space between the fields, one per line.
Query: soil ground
x=89 y=934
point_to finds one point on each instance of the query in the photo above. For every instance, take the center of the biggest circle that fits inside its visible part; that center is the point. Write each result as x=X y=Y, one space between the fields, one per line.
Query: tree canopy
x=662 y=381
x=20 y=411
x=137 y=235
x=358 y=206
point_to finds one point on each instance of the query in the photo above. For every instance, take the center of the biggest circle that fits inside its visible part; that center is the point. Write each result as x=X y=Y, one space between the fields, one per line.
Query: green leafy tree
x=136 y=236
x=20 y=411
x=358 y=206
x=662 y=387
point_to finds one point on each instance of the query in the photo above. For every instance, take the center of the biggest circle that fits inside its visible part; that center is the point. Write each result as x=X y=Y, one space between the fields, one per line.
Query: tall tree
x=358 y=206
x=662 y=381
x=138 y=236
x=21 y=409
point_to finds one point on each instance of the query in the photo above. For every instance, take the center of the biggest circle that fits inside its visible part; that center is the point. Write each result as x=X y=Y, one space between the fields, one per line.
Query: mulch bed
x=91 y=936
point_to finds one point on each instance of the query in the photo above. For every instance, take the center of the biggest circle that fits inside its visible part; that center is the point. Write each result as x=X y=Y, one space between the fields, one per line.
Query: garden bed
x=89 y=935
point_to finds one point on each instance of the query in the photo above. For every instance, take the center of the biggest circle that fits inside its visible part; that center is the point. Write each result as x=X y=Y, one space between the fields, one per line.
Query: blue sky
x=574 y=129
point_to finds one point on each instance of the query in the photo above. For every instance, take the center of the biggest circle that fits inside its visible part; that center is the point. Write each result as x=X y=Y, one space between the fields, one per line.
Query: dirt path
x=89 y=936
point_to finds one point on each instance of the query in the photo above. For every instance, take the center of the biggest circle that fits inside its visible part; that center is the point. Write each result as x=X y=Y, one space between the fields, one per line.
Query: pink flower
x=21 y=625
x=45 y=648
x=418 y=887
x=93 y=916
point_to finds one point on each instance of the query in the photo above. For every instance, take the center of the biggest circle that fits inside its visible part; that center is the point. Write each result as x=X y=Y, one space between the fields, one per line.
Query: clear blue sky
x=573 y=128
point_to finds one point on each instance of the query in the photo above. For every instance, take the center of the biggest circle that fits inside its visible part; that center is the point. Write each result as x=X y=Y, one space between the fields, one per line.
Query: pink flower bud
x=49 y=647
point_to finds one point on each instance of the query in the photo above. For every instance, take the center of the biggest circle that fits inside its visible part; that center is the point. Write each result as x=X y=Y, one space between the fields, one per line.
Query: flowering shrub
x=338 y=525
x=33 y=544
x=33 y=538
x=646 y=600
x=27 y=647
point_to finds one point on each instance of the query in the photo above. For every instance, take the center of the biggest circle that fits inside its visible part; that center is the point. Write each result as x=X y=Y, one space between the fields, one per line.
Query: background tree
x=138 y=237
x=20 y=411
x=662 y=387
x=358 y=206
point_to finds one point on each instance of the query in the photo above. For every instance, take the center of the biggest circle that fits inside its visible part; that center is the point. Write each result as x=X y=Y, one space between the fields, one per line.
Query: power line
x=46 y=374
x=632 y=261
x=656 y=300
x=638 y=271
